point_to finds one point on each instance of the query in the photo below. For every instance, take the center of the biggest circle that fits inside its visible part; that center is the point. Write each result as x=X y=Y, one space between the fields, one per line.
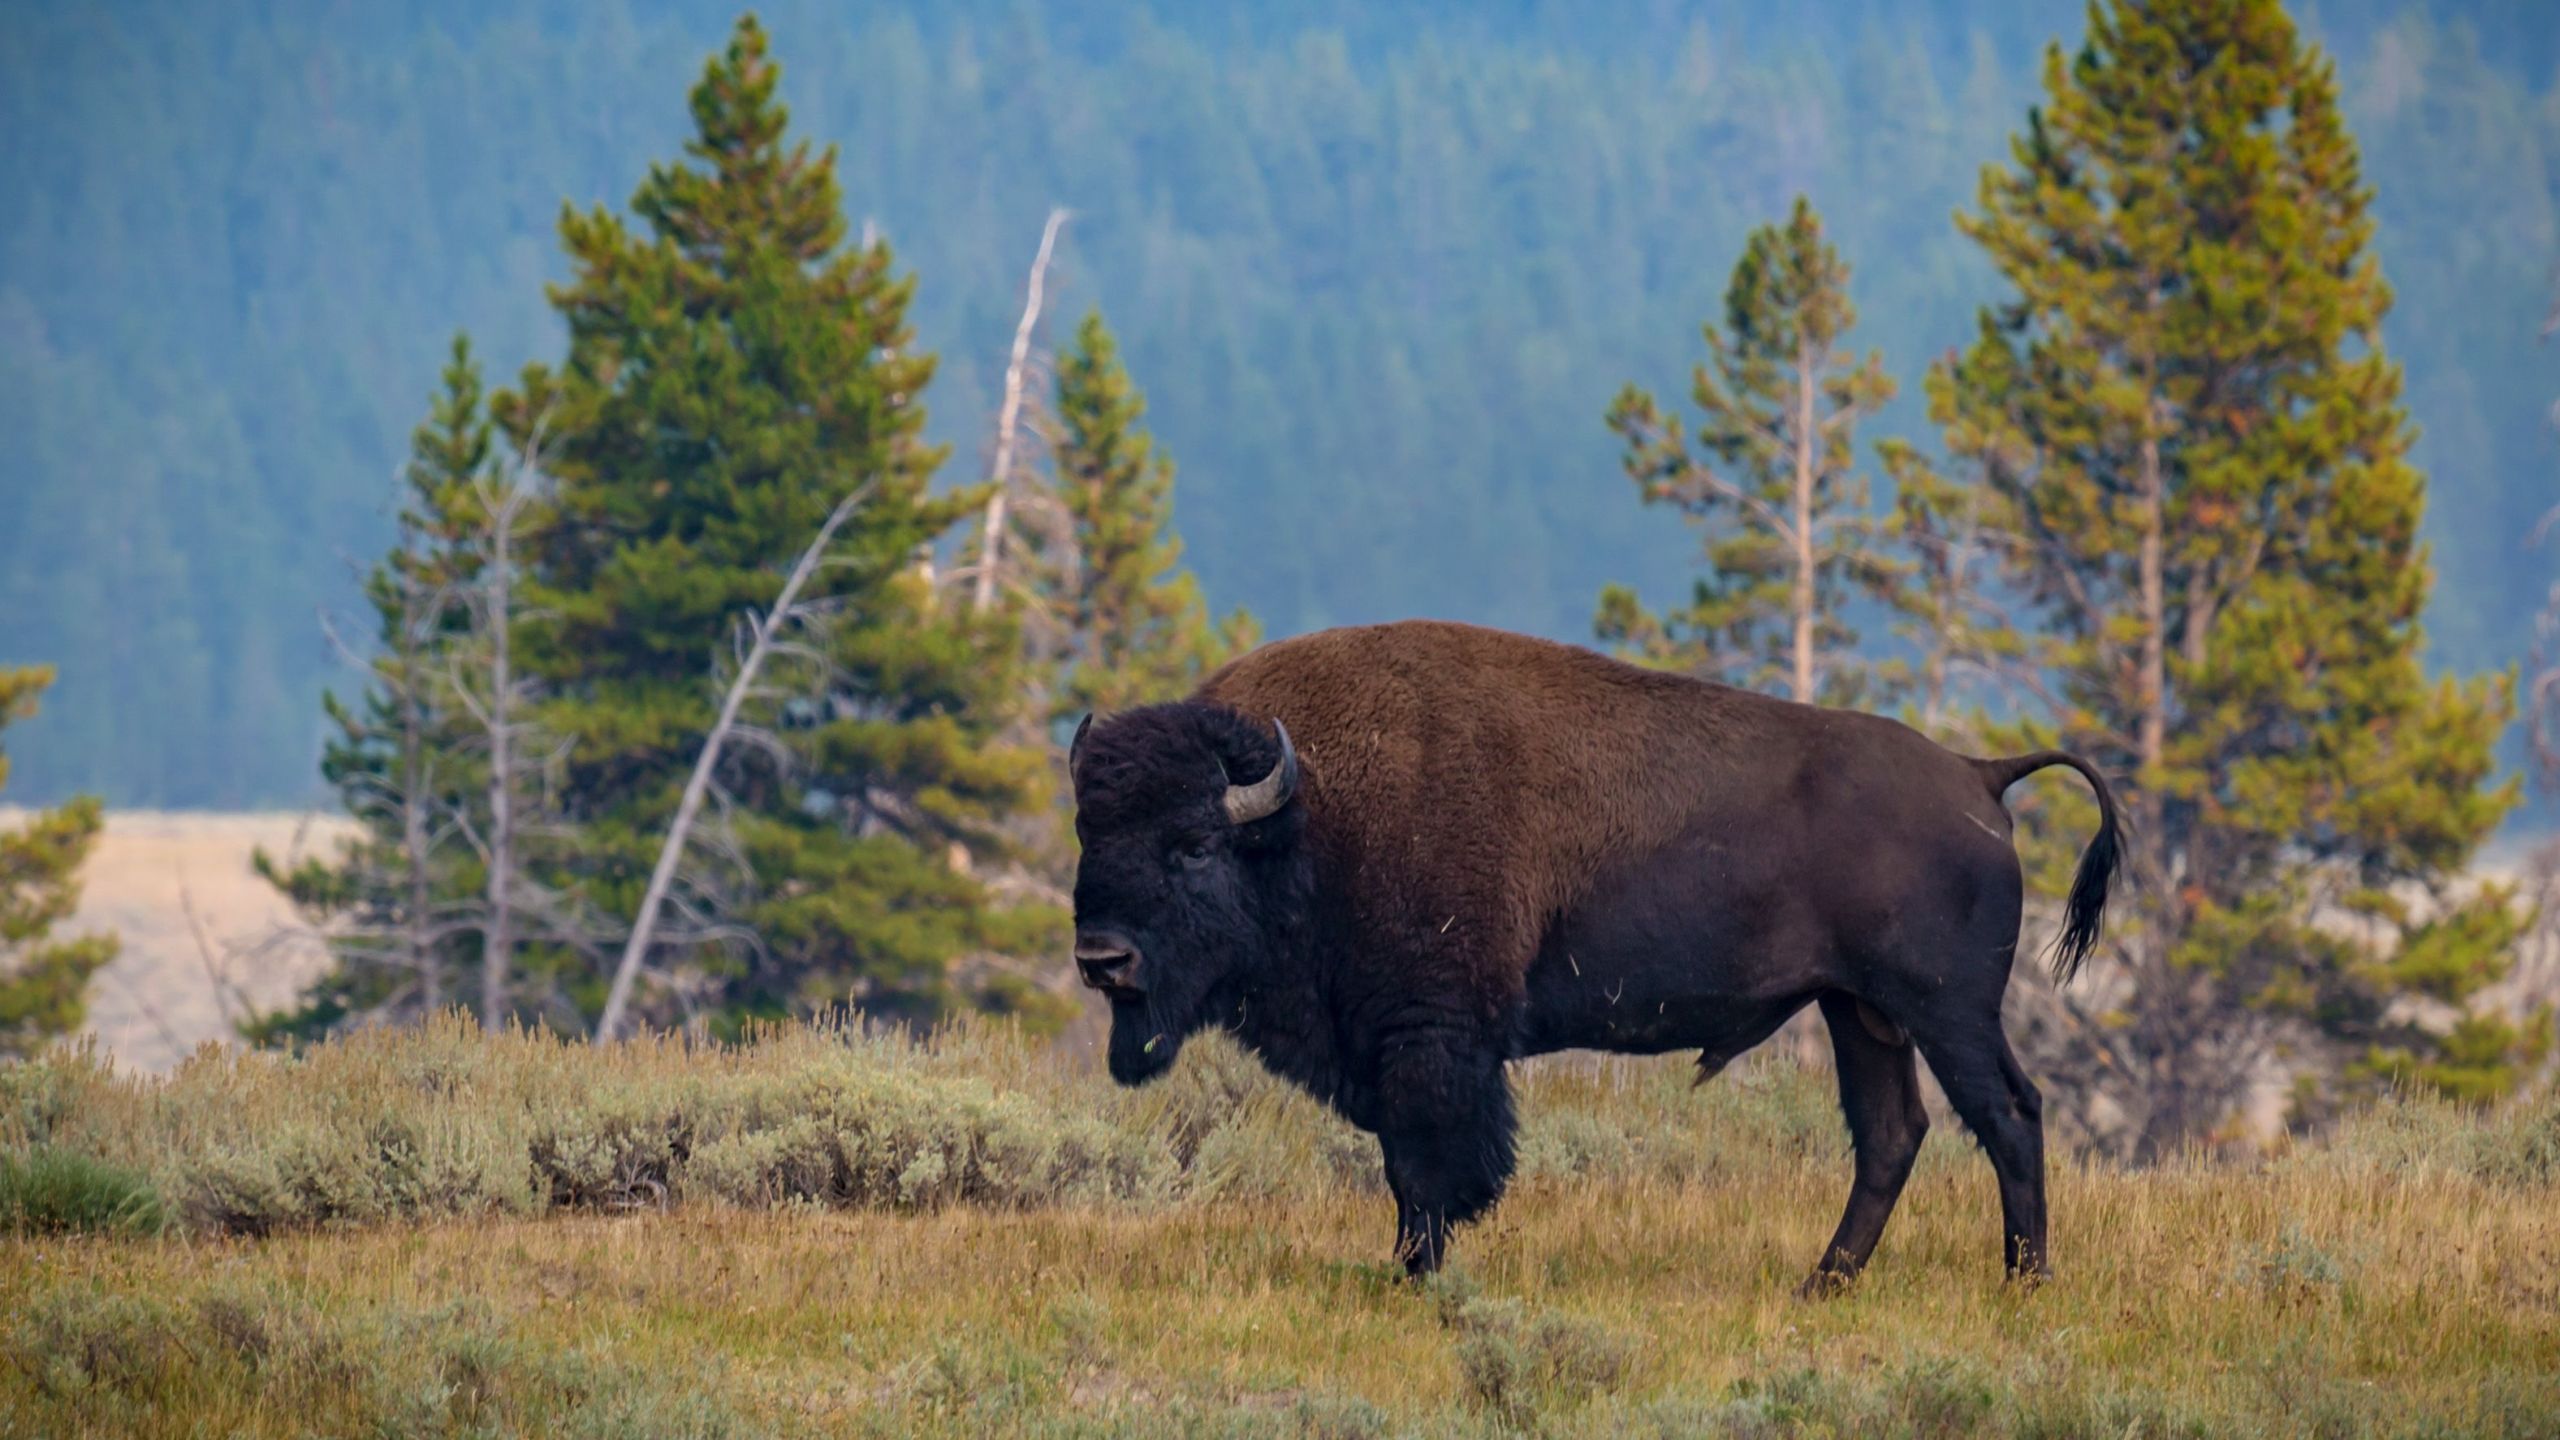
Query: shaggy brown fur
x=1500 y=846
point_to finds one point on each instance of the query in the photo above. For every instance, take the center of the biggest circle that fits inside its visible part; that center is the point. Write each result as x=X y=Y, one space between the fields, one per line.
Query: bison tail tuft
x=2084 y=913
x=2086 y=910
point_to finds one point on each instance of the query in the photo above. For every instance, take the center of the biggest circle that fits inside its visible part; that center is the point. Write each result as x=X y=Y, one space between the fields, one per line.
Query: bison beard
x=1390 y=859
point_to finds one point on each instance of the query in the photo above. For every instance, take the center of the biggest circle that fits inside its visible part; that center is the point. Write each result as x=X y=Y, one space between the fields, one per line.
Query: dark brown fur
x=1501 y=846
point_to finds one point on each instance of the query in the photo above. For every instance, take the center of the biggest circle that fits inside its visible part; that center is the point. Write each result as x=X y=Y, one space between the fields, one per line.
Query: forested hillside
x=1380 y=270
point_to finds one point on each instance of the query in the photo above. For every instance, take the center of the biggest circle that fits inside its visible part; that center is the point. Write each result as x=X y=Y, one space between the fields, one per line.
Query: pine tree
x=1770 y=479
x=2185 y=416
x=1138 y=630
x=735 y=368
x=400 y=898
x=44 y=982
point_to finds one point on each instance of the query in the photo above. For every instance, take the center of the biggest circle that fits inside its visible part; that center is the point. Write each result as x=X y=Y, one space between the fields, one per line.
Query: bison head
x=1186 y=888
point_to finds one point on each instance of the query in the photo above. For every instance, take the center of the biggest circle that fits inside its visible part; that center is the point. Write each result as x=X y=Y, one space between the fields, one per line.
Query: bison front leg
x=1445 y=1133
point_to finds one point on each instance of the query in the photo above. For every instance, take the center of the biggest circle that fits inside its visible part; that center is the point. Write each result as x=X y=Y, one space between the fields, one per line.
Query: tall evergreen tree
x=404 y=901
x=2185 y=415
x=44 y=982
x=1770 y=478
x=1137 y=628
x=735 y=368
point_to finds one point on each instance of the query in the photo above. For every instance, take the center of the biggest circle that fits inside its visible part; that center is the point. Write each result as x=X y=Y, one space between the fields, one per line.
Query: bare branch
x=698 y=784
x=765 y=742
x=1766 y=513
x=338 y=643
x=233 y=1002
x=2542 y=527
x=141 y=999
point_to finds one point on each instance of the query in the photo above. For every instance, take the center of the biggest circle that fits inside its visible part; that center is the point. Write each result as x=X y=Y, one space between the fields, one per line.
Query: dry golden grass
x=2403 y=1279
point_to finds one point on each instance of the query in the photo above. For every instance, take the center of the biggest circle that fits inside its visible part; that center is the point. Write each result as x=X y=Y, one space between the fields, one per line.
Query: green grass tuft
x=49 y=1190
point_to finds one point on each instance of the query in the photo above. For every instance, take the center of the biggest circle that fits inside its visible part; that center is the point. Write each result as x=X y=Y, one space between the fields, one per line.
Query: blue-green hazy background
x=1378 y=267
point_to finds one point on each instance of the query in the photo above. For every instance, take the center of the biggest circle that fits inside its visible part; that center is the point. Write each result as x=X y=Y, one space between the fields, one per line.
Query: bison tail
x=2086 y=910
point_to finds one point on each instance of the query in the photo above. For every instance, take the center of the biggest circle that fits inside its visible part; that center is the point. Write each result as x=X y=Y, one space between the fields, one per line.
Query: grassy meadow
x=829 y=1232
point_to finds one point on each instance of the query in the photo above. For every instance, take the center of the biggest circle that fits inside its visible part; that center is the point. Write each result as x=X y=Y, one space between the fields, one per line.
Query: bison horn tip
x=1075 y=747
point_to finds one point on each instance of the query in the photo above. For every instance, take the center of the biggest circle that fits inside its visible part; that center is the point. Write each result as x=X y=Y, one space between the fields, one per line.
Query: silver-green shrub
x=444 y=1121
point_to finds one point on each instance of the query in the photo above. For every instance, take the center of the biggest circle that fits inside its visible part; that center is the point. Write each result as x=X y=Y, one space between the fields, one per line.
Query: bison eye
x=1192 y=854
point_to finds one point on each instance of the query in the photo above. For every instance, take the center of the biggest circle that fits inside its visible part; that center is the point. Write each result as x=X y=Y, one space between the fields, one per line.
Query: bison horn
x=1075 y=747
x=1248 y=803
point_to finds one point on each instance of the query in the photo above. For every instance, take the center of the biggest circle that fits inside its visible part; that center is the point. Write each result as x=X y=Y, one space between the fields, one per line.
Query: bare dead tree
x=381 y=905
x=497 y=943
x=496 y=703
x=1009 y=420
x=442 y=757
x=698 y=787
x=223 y=960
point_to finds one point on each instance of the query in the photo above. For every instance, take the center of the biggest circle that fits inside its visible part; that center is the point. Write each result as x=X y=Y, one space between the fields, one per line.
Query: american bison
x=1390 y=858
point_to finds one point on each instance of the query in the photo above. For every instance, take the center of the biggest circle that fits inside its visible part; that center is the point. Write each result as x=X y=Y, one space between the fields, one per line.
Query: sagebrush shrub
x=2411 y=1135
x=1516 y=1360
x=444 y=1121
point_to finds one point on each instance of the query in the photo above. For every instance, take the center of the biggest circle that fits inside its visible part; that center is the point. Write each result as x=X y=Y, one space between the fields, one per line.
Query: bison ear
x=1075 y=747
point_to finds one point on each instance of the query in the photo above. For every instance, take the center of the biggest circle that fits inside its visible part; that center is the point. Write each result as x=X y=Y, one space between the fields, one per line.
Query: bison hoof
x=1825 y=1284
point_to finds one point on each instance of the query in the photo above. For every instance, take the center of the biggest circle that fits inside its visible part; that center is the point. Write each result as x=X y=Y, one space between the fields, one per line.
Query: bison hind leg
x=1991 y=1093
x=1880 y=1096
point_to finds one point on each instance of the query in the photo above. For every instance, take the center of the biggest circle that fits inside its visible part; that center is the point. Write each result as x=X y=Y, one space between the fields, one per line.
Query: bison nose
x=1106 y=961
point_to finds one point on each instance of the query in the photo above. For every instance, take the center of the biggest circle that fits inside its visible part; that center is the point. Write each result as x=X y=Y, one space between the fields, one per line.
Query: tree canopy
x=2185 y=423
x=739 y=363
x=44 y=978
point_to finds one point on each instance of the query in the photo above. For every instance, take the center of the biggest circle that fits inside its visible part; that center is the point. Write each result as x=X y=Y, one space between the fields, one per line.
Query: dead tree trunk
x=415 y=840
x=2153 y=598
x=1808 y=435
x=497 y=941
x=1009 y=418
x=1803 y=1036
x=495 y=700
x=697 y=787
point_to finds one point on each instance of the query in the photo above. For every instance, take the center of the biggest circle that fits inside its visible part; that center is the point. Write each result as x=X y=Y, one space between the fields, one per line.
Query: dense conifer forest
x=1380 y=272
